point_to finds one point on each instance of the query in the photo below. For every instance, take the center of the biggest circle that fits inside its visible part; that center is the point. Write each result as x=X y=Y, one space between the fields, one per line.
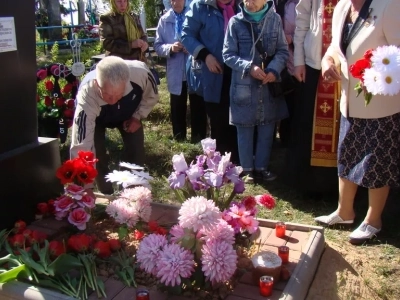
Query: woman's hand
x=140 y=44
x=213 y=64
x=258 y=73
x=329 y=71
x=270 y=77
x=177 y=47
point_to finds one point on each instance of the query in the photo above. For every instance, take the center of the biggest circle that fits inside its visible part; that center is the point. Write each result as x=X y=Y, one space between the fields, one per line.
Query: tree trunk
x=81 y=12
x=54 y=14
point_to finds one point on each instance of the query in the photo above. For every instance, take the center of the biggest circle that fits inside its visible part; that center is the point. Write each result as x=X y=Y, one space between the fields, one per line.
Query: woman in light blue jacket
x=257 y=28
x=168 y=44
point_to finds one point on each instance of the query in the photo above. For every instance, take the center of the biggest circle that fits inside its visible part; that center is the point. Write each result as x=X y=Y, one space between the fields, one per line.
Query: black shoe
x=264 y=175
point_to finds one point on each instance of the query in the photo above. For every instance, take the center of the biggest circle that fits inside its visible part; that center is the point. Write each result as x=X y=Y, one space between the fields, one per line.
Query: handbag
x=276 y=88
x=193 y=76
x=153 y=69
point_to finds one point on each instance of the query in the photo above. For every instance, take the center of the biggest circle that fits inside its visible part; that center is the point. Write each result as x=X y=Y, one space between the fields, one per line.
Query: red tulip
x=19 y=226
x=37 y=237
x=153 y=225
x=42 y=208
x=56 y=248
x=17 y=241
x=102 y=249
x=79 y=242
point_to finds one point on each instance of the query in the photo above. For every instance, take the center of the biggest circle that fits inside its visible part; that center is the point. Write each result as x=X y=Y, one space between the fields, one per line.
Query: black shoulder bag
x=277 y=88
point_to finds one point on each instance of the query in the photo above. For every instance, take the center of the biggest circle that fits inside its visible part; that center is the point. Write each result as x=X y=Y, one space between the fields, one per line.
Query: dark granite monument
x=27 y=163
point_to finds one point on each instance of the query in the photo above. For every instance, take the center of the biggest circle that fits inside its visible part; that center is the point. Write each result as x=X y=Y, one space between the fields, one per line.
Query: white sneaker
x=333 y=219
x=363 y=233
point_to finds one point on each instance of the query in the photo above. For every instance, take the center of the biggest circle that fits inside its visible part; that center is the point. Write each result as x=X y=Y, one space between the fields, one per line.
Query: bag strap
x=151 y=58
x=258 y=44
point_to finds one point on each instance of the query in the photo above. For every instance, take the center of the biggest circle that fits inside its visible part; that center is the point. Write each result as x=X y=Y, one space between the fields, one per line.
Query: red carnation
x=79 y=242
x=138 y=235
x=266 y=200
x=368 y=54
x=358 y=68
x=115 y=244
x=42 y=208
x=153 y=225
x=70 y=103
x=48 y=101
x=49 y=85
x=60 y=102
x=67 y=88
x=249 y=202
x=56 y=248
x=102 y=249
x=69 y=113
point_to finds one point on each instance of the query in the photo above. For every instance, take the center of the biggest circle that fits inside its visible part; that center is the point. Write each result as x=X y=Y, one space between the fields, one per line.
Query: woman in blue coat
x=168 y=44
x=257 y=28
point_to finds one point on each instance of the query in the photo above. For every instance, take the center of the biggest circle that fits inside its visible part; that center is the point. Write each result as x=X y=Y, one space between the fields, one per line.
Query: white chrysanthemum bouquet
x=378 y=72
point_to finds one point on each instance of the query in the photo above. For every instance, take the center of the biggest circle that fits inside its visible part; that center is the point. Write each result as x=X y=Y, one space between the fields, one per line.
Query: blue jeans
x=260 y=161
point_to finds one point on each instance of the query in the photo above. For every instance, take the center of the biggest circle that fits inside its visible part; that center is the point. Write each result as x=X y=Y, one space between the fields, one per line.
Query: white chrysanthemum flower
x=386 y=59
x=120 y=176
x=199 y=213
x=388 y=83
x=370 y=81
x=130 y=166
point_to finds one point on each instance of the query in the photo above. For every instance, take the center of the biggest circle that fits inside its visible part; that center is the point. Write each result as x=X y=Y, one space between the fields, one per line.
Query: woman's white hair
x=112 y=70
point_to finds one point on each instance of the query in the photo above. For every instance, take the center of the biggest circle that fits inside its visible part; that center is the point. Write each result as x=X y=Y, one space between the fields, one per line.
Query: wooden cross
x=329 y=8
x=325 y=107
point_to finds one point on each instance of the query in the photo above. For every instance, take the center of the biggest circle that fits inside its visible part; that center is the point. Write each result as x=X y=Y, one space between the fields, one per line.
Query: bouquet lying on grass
x=378 y=72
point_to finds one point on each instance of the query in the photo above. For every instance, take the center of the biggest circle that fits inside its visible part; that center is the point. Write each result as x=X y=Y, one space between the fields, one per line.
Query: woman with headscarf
x=121 y=32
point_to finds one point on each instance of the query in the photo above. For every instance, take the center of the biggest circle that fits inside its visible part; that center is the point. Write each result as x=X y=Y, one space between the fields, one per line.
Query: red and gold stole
x=326 y=109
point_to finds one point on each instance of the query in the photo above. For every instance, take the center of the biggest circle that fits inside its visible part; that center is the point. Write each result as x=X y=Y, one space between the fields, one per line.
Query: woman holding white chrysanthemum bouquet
x=368 y=150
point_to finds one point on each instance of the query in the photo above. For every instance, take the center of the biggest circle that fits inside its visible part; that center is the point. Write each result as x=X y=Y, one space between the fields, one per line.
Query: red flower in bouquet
x=19 y=226
x=56 y=248
x=138 y=235
x=378 y=72
x=266 y=200
x=102 y=249
x=115 y=244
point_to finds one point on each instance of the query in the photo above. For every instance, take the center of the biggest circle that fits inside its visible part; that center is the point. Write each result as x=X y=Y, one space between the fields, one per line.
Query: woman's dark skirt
x=368 y=152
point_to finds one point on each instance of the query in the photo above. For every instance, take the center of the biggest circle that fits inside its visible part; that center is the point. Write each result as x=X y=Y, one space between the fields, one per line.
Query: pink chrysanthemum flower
x=173 y=264
x=219 y=261
x=138 y=194
x=149 y=251
x=123 y=211
x=177 y=233
x=222 y=231
x=197 y=213
x=266 y=200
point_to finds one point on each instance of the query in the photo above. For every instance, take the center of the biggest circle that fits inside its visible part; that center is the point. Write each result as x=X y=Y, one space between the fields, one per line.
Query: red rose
x=69 y=113
x=79 y=217
x=79 y=242
x=49 y=85
x=19 y=226
x=41 y=74
x=138 y=235
x=48 y=101
x=67 y=88
x=102 y=249
x=56 y=248
x=60 y=102
x=115 y=244
x=358 y=68
x=70 y=103
x=368 y=54
x=42 y=208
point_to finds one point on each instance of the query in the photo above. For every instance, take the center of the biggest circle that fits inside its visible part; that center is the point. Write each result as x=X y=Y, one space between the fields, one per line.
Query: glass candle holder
x=283 y=252
x=280 y=229
x=266 y=285
x=142 y=294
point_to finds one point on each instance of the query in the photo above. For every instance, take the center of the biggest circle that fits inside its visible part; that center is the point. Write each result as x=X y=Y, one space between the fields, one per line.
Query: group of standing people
x=242 y=47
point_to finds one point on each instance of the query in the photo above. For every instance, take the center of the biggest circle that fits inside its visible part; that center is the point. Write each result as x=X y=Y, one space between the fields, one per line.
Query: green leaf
x=122 y=232
x=27 y=259
x=64 y=263
x=13 y=273
x=368 y=98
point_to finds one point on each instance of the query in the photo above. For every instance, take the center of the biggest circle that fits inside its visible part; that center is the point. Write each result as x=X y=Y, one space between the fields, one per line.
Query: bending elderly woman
x=121 y=32
x=368 y=152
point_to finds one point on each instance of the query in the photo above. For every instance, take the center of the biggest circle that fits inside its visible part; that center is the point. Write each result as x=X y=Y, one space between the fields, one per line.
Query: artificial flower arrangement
x=55 y=104
x=75 y=204
x=201 y=250
x=212 y=175
x=378 y=72
x=87 y=31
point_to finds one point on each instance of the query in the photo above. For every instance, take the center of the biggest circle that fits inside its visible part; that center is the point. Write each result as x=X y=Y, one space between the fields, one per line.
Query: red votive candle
x=142 y=294
x=266 y=285
x=280 y=229
x=283 y=252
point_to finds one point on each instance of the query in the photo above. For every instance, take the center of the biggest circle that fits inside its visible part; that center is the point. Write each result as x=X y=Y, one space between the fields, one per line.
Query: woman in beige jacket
x=368 y=153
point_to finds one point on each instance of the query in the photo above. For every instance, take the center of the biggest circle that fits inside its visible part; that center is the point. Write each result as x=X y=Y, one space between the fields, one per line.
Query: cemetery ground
x=370 y=271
